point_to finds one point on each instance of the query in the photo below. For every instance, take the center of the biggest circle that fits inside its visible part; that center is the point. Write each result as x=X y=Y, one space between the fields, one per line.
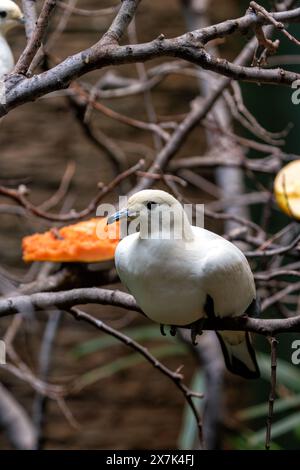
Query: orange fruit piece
x=88 y=241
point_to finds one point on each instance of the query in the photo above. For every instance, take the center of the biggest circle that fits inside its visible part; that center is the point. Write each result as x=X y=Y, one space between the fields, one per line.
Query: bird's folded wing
x=228 y=279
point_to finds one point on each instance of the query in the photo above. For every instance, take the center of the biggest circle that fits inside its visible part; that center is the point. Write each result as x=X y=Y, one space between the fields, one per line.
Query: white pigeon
x=10 y=16
x=180 y=280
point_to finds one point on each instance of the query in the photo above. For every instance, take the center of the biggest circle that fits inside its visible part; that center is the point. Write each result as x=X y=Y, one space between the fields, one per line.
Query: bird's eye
x=151 y=205
x=3 y=14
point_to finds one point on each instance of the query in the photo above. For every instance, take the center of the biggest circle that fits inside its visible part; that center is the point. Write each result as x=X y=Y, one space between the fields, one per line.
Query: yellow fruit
x=287 y=189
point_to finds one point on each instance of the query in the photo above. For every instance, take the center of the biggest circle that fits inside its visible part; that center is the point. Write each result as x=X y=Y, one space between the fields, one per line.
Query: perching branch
x=64 y=300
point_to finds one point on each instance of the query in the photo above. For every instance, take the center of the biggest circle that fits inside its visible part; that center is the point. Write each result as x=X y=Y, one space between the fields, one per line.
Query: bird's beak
x=122 y=214
x=21 y=20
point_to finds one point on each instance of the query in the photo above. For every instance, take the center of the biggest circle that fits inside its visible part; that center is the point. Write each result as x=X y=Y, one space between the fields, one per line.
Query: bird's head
x=155 y=211
x=10 y=15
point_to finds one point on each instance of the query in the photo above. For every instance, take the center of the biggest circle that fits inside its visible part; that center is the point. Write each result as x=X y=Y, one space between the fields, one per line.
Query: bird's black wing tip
x=254 y=309
x=235 y=365
x=239 y=368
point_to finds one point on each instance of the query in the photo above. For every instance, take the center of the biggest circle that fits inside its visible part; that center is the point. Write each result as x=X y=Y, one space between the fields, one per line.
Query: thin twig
x=36 y=38
x=19 y=195
x=273 y=342
x=175 y=377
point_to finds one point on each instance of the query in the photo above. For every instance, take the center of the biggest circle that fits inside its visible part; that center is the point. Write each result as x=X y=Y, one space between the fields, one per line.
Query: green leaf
x=140 y=333
x=189 y=431
x=241 y=442
x=126 y=362
x=287 y=374
x=279 y=428
x=257 y=411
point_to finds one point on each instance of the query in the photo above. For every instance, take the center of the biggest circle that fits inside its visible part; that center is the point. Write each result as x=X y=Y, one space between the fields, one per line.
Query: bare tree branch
x=190 y=47
x=15 y=422
x=64 y=300
x=176 y=377
x=272 y=396
x=36 y=38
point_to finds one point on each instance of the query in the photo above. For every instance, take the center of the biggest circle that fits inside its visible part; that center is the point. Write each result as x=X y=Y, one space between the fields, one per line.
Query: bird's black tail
x=239 y=354
x=237 y=348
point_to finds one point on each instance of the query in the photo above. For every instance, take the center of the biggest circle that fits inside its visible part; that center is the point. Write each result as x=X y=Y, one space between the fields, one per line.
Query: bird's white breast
x=170 y=279
x=6 y=57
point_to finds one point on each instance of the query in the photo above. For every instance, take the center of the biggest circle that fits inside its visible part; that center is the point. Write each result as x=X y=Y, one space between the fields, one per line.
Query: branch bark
x=15 y=422
x=36 y=38
x=64 y=300
x=190 y=47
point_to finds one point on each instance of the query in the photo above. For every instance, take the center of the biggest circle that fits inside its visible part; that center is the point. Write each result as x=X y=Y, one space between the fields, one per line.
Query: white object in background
x=10 y=16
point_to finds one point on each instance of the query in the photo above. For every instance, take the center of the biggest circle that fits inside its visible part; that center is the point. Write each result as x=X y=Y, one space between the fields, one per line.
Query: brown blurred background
x=135 y=407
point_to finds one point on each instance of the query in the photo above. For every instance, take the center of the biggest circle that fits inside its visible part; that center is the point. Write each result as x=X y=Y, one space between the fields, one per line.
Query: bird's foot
x=162 y=330
x=173 y=330
x=196 y=329
x=194 y=336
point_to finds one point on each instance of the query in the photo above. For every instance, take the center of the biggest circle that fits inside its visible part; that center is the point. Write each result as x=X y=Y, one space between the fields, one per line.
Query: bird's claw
x=162 y=330
x=196 y=330
x=194 y=337
x=173 y=330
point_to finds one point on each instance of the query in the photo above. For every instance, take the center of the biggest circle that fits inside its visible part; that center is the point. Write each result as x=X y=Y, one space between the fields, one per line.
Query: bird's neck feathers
x=2 y=35
x=167 y=226
x=3 y=42
x=4 y=28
